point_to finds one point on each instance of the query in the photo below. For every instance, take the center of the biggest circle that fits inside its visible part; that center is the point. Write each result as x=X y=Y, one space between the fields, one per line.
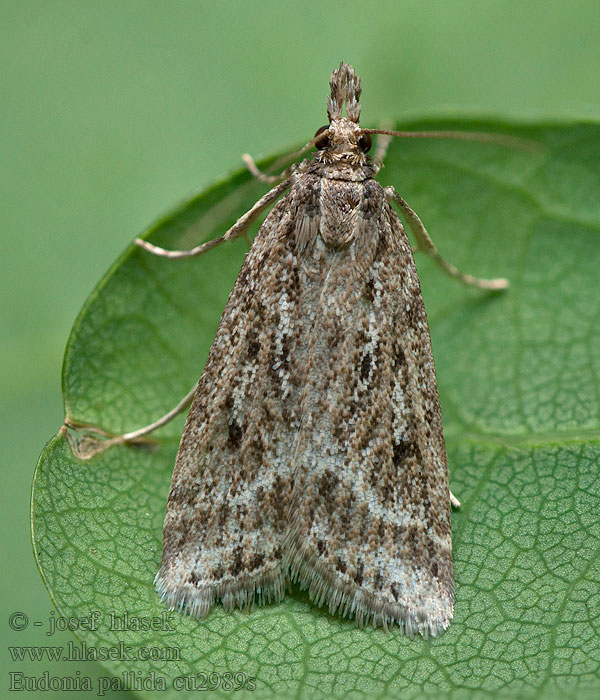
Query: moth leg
x=425 y=244
x=240 y=227
x=381 y=149
x=89 y=443
x=257 y=172
x=454 y=501
x=289 y=158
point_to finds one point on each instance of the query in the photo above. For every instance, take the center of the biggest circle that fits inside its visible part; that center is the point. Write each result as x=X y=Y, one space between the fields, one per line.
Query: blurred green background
x=113 y=110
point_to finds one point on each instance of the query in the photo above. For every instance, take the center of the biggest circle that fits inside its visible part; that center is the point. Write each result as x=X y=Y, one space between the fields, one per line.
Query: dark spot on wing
x=257 y=561
x=237 y=563
x=400 y=358
x=223 y=514
x=365 y=366
x=402 y=452
x=358 y=576
x=369 y=292
x=235 y=434
x=326 y=484
x=253 y=349
x=378 y=580
x=185 y=495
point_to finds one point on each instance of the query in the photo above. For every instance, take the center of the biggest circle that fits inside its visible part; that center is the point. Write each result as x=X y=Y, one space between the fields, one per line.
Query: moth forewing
x=369 y=531
x=227 y=507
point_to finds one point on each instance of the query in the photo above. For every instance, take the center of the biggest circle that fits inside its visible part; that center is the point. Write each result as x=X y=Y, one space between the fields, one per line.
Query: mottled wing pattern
x=314 y=448
x=369 y=531
x=228 y=503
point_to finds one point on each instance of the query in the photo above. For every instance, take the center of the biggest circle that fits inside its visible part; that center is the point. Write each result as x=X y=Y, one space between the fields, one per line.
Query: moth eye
x=365 y=143
x=324 y=140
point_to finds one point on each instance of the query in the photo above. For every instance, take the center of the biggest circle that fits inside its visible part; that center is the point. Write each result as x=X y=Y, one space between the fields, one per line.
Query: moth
x=313 y=450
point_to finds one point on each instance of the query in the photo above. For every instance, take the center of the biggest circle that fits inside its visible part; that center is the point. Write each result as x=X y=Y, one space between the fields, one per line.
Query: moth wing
x=369 y=528
x=229 y=497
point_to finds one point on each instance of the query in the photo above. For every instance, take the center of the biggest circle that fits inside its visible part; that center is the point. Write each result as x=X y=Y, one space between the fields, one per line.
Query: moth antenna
x=481 y=136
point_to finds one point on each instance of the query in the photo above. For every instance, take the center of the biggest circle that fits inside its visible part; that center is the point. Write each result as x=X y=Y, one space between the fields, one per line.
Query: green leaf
x=519 y=383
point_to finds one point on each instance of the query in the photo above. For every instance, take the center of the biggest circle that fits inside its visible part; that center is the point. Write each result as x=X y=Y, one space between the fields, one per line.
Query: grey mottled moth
x=313 y=451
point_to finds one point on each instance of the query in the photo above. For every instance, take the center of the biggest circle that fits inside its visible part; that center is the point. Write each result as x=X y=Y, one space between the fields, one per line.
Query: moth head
x=342 y=138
